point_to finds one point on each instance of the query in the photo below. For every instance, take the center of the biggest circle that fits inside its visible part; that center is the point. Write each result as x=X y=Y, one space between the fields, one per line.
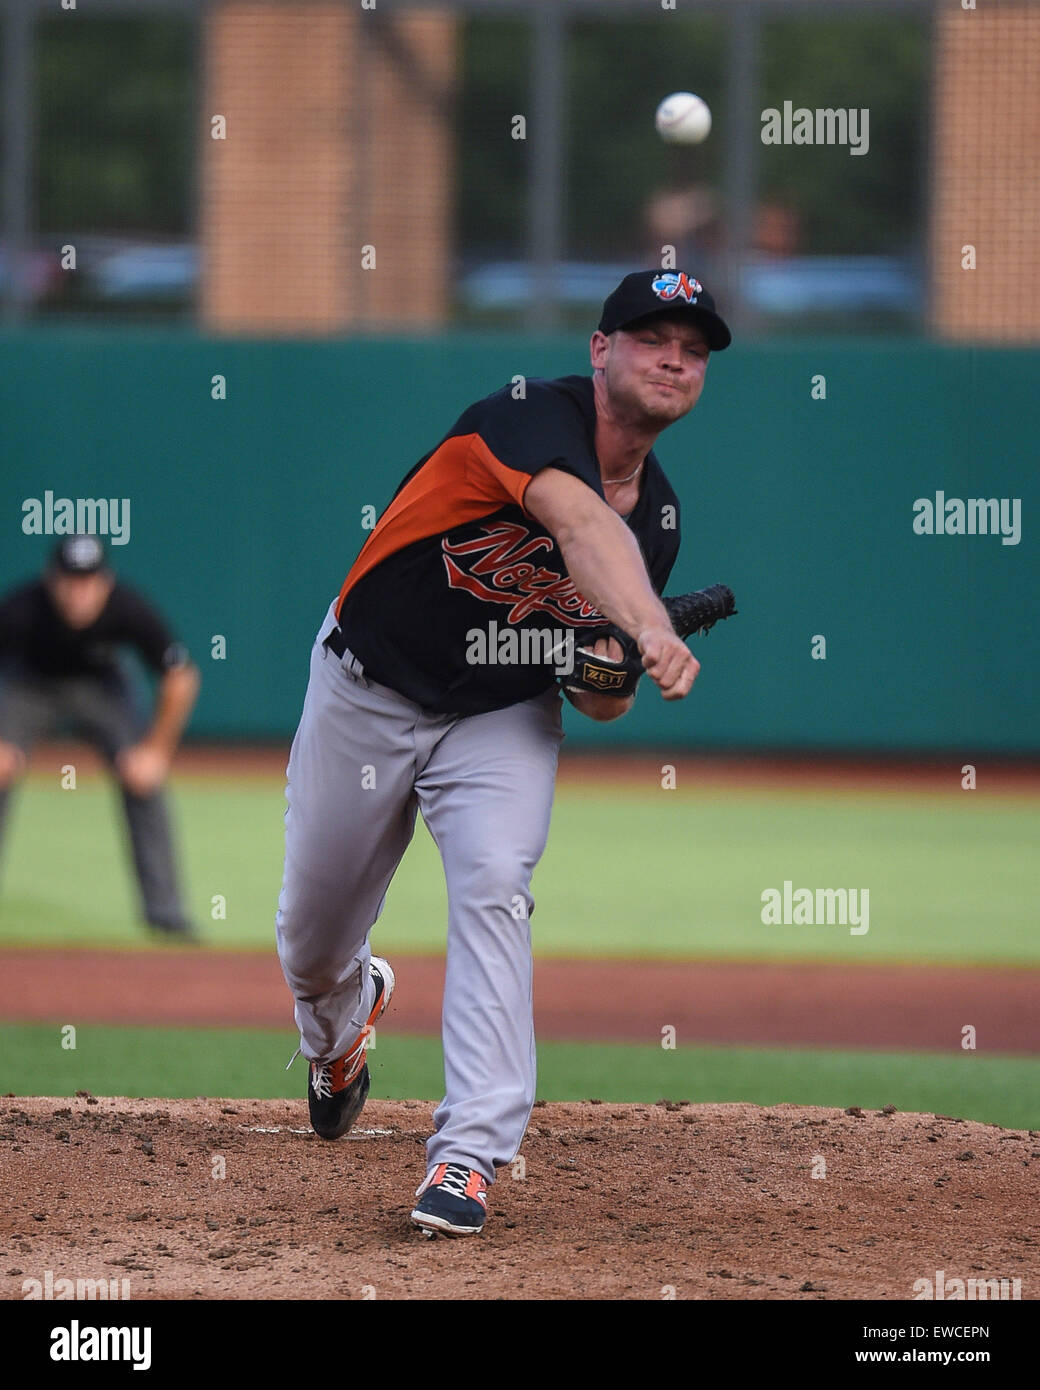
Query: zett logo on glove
x=601 y=677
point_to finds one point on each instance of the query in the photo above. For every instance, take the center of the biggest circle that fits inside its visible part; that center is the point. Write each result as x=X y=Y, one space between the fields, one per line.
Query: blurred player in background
x=59 y=666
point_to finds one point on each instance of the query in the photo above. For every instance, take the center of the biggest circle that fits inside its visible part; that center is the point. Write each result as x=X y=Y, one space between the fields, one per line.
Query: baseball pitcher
x=521 y=559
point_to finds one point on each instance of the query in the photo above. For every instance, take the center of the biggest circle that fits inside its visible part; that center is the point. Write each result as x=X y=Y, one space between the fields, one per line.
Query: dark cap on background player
x=647 y=294
x=83 y=554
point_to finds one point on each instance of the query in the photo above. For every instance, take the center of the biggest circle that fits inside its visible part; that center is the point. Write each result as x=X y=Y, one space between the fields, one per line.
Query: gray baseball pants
x=102 y=710
x=363 y=761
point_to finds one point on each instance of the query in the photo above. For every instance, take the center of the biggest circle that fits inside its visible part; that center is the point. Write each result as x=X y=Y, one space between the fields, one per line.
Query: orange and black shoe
x=337 y=1090
x=453 y=1201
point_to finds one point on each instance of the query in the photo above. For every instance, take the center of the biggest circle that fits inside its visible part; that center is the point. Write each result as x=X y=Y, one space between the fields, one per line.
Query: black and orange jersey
x=455 y=551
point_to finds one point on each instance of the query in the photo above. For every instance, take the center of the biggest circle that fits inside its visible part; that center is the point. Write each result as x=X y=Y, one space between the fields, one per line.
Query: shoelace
x=455 y=1179
x=321 y=1080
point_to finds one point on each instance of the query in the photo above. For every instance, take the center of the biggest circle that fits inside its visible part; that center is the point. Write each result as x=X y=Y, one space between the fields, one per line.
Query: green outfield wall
x=246 y=512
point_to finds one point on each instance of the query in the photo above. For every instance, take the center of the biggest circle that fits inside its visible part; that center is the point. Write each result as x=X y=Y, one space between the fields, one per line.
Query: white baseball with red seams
x=683 y=119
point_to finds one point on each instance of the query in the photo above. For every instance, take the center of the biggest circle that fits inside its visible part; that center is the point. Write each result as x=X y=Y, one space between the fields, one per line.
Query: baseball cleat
x=337 y=1090
x=453 y=1201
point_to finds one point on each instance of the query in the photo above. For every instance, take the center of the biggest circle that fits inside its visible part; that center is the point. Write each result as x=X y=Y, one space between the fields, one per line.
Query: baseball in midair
x=683 y=119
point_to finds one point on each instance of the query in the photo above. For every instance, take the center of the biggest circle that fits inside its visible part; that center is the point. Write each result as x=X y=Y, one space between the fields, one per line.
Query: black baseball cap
x=647 y=294
x=82 y=554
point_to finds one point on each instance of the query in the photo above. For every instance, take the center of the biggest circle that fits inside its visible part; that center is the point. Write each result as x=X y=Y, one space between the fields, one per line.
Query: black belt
x=337 y=643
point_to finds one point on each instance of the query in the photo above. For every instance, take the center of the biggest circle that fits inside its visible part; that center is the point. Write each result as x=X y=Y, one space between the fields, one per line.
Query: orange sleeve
x=510 y=483
x=461 y=481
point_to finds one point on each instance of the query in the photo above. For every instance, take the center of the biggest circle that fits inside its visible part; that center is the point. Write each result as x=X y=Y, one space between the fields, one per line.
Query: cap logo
x=672 y=285
x=83 y=552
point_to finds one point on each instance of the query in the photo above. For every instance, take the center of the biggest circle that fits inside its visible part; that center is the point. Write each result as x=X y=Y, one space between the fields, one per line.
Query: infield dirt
x=238 y=1199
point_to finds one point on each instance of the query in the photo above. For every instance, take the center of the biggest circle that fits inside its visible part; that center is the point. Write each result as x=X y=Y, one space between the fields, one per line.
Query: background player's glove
x=695 y=612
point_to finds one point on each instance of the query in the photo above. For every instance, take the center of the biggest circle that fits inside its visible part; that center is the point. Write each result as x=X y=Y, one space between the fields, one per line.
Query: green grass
x=251 y=1063
x=626 y=873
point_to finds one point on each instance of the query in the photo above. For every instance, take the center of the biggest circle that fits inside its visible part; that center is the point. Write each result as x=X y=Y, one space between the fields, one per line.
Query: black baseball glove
x=690 y=613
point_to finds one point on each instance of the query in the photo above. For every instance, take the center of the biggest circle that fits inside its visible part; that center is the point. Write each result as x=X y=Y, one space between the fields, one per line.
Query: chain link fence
x=260 y=166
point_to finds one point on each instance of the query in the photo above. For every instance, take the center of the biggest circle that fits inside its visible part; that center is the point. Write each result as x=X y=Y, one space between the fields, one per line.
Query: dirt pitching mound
x=238 y=1199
